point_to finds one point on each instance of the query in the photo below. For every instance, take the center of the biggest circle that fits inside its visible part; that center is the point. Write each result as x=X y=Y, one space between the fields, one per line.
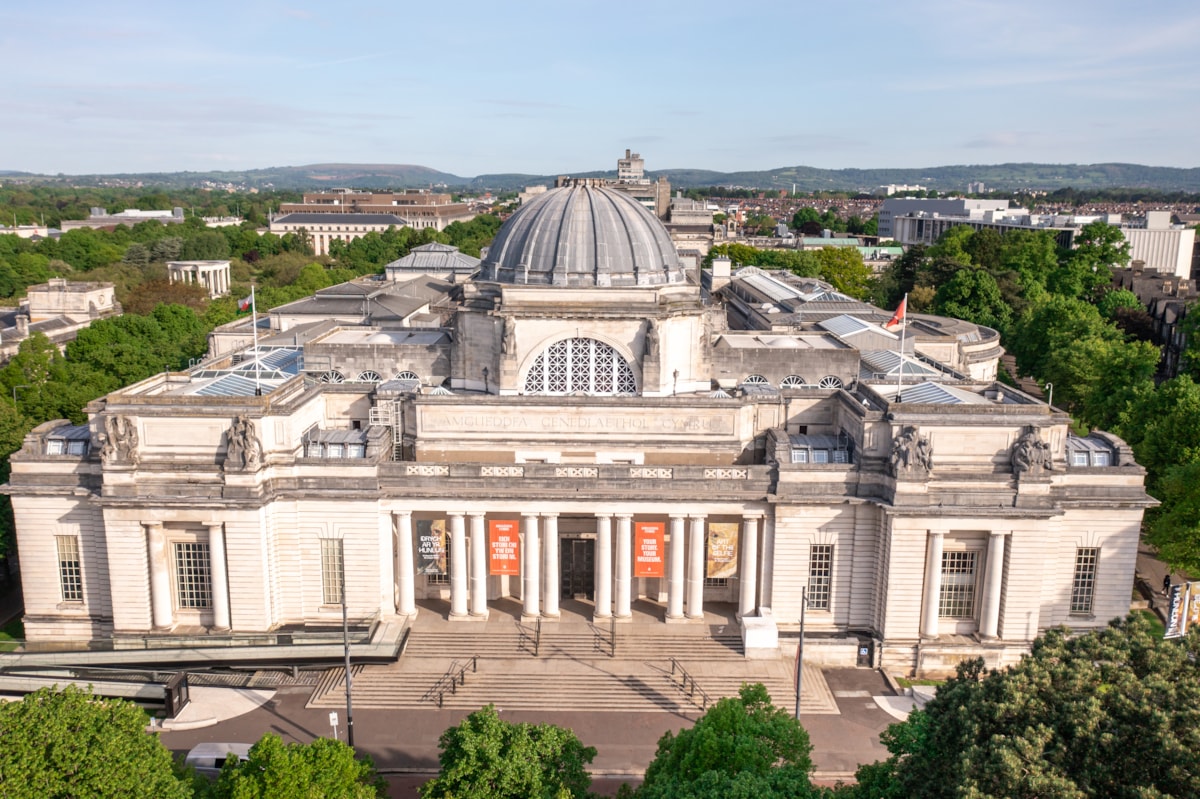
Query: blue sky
x=554 y=87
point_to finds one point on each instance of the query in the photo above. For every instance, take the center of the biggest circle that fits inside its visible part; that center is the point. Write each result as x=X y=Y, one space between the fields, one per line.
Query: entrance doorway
x=577 y=559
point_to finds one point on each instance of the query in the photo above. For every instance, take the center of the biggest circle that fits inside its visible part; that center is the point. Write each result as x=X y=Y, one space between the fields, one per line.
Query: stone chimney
x=23 y=326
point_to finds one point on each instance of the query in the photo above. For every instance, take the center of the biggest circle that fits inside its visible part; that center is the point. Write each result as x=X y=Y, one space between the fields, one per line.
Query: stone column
x=989 y=624
x=695 y=576
x=479 y=566
x=624 y=576
x=933 y=585
x=675 y=583
x=603 y=566
x=458 y=566
x=748 y=568
x=220 y=576
x=553 y=588
x=160 y=577
x=532 y=574
x=406 y=601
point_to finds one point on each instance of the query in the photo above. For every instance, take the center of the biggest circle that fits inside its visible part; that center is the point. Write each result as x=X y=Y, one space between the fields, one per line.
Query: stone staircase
x=464 y=669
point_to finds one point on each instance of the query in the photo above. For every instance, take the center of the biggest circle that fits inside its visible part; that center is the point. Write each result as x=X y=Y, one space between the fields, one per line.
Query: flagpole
x=257 y=360
x=903 y=327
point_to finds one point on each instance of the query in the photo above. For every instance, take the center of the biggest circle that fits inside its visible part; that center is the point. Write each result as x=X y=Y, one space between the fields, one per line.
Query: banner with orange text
x=504 y=547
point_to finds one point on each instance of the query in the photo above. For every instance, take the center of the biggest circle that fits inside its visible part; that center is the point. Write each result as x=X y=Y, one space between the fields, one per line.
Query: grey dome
x=583 y=235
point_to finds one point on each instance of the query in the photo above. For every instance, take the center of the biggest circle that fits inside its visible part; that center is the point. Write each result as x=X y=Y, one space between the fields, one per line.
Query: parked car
x=209 y=758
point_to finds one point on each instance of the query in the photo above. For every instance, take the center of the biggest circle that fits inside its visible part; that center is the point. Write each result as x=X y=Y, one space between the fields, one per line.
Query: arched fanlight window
x=829 y=381
x=756 y=380
x=792 y=381
x=576 y=365
x=407 y=376
x=333 y=376
x=370 y=377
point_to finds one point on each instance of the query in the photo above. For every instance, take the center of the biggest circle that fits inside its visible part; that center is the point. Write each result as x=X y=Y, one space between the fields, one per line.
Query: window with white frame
x=193 y=578
x=792 y=381
x=70 y=571
x=957 y=600
x=820 y=576
x=580 y=365
x=1083 y=585
x=331 y=571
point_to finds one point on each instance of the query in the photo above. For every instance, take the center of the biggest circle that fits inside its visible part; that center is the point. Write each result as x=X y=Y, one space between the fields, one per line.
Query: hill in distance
x=1001 y=177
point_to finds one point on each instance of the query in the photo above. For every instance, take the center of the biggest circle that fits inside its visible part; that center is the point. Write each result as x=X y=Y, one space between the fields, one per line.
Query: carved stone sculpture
x=120 y=440
x=911 y=453
x=1030 y=455
x=242 y=450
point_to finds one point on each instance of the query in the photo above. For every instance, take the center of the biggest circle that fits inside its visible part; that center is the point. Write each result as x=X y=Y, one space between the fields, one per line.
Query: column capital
x=937 y=533
x=402 y=513
x=623 y=515
x=603 y=515
x=153 y=525
x=553 y=515
x=210 y=525
x=999 y=532
x=697 y=517
x=753 y=514
x=459 y=513
x=476 y=514
x=680 y=516
x=530 y=514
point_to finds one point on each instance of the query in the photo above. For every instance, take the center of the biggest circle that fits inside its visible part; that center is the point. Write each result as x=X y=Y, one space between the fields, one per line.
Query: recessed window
x=333 y=450
x=369 y=377
x=1083 y=584
x=716 y=582
x=792 y=381
x=407 y=376
x=77 y=447
x=1079 y=458
x=333 y=376
x=799 y=456
x=957 y=599
x=756 y=380
x=829 y=381
x=193 y=579
x=580 y=365
x=332 y=571
x=820 y=576
x=841 y=456
x=1101 y=459
x=55 y=446
x=70 y=572
x=820 y=456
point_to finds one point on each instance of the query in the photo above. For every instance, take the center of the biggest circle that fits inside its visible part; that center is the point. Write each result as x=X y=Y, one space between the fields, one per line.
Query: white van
x=209 y=758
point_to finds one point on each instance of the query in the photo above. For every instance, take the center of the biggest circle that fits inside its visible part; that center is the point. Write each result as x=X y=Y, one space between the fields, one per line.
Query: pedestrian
x=1167 y=583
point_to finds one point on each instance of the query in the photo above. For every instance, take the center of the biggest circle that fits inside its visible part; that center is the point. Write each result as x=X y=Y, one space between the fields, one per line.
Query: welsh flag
x=898 y=316
x=246 y=303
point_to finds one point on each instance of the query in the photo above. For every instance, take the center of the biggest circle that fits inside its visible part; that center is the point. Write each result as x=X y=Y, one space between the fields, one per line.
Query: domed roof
x=583 y=235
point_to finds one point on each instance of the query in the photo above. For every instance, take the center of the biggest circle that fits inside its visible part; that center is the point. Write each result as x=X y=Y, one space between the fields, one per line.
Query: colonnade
x=540 y=578
x=161 y=603
x=213 y=276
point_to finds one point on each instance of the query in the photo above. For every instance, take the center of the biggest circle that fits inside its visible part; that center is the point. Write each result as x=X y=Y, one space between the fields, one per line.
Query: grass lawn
x=11 y=635
x=1156 y=624
x=906 y=683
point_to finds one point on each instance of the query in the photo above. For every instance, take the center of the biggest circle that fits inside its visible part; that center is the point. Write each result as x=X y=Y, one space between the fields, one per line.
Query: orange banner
x=504 y=547
x=648 y=549
x=722 y=550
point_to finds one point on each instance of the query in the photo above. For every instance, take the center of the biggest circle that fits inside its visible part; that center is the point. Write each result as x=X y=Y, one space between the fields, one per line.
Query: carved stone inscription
x=586 y=421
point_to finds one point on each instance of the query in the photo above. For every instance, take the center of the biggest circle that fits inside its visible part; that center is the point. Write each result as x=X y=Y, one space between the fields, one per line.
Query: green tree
x=1102 y=244
x=1163 y=427
x=485 y=757
x=1174 y=529
x=209 y=245
x=742 y=747
x=973 y=294
x=805 y=215
x=1113 y=713
x=843 y=268
x=69 y=743
x=1110 y=301
x=323 y=769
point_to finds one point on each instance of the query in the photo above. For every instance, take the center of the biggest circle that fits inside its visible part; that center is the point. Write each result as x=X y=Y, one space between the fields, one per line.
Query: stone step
x=652 y=690
x=572 y=645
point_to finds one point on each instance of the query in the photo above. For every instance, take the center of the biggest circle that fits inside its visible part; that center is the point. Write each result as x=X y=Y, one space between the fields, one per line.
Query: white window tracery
x=577 y=365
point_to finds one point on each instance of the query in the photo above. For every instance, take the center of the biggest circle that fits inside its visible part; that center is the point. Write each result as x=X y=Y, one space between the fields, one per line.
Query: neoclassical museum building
x=581 y=422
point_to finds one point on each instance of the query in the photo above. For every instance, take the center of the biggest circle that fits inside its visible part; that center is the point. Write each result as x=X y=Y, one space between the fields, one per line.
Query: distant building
x=100 y=218
x=438 y=260
x=976 y=187
x=212 y=275
x=59 y=309
x=323 y=228
x=420 y=209
x=631 y=179
x=893 y=188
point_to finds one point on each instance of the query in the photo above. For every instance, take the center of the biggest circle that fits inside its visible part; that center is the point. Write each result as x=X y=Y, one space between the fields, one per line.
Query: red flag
x=244 y=304
x=898 y=316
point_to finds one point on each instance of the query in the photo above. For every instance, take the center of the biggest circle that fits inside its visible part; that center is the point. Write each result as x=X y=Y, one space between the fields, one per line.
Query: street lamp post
x=346 y=649
x=800 y=649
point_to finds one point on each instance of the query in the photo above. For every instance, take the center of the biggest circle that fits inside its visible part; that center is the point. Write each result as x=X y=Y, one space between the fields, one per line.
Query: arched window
x=792 y=381
x=756 y=380
x=370 y=377
x=332 y=376
x=407 y=376
x=580 y=365
x=829 y=381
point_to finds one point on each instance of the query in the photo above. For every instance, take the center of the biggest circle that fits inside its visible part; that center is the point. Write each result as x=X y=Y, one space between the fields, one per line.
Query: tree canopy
x=486 y=757
x=742 y=747
x=323 y=769
x=1113 y=713
x=69 y=743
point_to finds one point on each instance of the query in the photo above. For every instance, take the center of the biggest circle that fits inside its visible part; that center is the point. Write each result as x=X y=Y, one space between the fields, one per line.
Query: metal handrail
x=685 y=678
x=612 y=636
x=456 y=679
x=537 y=638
